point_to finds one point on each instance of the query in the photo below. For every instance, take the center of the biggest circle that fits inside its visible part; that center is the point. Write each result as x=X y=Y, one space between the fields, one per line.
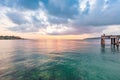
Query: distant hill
x=92 y=38
x=10 y=38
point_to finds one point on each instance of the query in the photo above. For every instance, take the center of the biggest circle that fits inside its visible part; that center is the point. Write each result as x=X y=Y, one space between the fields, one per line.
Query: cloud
x=63 y=17
x=28 y=21
x=24 y=28
x=113 y=29
x=17 y=18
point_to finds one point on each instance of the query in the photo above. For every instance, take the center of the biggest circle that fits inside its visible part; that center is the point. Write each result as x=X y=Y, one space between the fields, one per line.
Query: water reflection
x=57 y=60
x=103 y=48
x=112 y=48
x=54 y=70
x=60 y=45
x=19 y=57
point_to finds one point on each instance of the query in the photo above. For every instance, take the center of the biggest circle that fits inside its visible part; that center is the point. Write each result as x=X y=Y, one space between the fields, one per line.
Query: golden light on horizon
x=38 y=36
x=63 y=36
x=45 y=36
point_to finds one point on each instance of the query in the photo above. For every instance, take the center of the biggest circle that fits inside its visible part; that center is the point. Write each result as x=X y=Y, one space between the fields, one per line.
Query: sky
x=61 y=19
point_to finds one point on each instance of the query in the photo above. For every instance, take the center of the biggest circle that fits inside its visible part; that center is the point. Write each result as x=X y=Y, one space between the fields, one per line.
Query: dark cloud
x=21 y=4
x=29 y=4
x=61 y=8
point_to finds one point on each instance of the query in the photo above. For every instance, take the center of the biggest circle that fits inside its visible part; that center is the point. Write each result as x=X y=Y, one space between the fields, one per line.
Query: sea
x=58 y=60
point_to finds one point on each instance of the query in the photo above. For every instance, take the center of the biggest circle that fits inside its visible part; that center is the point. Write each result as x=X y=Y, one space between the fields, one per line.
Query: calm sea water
x=58 y=60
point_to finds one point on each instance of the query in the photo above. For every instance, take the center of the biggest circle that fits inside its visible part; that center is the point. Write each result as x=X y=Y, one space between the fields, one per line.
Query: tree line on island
x=10 y=37
x=92 y=38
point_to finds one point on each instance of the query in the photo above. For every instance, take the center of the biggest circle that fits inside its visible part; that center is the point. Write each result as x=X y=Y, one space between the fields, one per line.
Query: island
x=92 y=38
x=10 y=38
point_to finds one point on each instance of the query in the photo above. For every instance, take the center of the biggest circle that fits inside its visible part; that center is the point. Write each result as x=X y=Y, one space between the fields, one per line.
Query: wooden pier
x=114 y=39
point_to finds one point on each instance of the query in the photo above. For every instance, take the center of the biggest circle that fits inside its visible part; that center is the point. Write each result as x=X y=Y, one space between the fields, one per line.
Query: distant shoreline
x=11 y=38
x=93 y=38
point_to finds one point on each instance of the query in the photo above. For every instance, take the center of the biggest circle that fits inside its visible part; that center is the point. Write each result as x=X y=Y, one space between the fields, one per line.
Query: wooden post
x=111 y=40
x=114 y=41
x=102 y=40
x=117 y=42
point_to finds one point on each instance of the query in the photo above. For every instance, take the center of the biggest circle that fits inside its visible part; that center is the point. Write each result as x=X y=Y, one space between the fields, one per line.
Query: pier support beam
x=114 y=41
x=102 y=40
x=117 y=41
x=111 y=41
